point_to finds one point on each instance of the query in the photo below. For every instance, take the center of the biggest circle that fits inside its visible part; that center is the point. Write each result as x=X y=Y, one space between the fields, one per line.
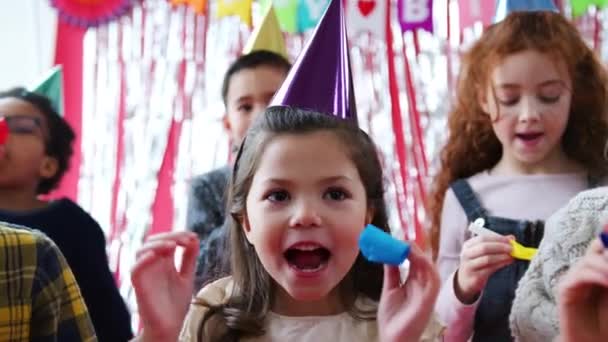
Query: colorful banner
x=579 y=7
x=287 y=13
x=199 y=6
x=415 y=14
x=240 y=8
x=310 y=12
x=472 y=11
x=366 y=16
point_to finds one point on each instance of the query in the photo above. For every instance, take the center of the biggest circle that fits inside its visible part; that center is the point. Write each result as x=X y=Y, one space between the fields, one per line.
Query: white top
x=519 y=197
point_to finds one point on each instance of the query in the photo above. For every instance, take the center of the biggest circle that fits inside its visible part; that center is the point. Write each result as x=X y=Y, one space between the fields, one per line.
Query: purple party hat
x=321 y=78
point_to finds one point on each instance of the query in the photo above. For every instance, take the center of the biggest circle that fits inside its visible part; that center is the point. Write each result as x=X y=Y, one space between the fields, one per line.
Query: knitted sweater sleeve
x=567 y=235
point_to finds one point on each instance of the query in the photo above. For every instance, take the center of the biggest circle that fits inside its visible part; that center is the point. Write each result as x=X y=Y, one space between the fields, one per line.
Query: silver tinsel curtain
x=152 y=112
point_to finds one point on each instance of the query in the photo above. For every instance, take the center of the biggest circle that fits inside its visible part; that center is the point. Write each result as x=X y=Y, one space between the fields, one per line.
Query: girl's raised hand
x=481 y=256
x=583 y=297
x=405 y=310
x=163 y=292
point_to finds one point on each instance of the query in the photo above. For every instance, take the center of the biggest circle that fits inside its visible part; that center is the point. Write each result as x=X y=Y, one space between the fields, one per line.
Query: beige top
x=341 y=327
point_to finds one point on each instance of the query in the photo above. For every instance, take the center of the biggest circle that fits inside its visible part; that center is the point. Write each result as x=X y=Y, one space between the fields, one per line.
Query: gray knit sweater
x=568 y=233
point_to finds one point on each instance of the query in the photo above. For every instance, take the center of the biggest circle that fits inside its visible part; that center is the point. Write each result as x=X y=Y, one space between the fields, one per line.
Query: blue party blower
x=604 y=236
x=380 y=247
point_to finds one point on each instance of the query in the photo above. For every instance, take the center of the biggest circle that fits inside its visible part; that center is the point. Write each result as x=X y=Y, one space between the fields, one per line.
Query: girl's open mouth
x=307 y=257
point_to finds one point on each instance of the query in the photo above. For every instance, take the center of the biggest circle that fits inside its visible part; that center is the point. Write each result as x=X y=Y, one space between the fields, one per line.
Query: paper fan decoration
x=89 y=13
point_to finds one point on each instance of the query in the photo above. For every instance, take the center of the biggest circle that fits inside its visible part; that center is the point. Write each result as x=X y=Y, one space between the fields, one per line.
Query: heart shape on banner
x=366 y=6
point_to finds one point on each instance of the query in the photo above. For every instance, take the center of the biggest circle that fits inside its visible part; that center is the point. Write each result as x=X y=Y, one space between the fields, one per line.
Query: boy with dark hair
x=248 y=86
x=33 y=160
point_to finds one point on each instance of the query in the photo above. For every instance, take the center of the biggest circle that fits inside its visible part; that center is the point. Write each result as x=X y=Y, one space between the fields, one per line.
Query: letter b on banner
x=415 y=11
x=415 y=14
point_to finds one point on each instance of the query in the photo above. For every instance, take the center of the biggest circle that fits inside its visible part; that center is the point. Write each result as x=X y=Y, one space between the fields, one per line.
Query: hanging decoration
x=366 y=16
x=398 y=133
x=286 y=12
x=91 y=13
x=475 y=11
x=199 y=6
x=310 y=12
x=239 y=8
x=580 y=7
x=417 y=148
x=415 y=14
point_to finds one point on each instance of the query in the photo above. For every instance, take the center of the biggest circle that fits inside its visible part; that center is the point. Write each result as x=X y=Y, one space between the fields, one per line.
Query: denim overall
x=492 y=315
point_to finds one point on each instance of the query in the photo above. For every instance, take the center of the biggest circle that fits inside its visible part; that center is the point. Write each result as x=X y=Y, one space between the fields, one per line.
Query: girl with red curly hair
x=527 y=133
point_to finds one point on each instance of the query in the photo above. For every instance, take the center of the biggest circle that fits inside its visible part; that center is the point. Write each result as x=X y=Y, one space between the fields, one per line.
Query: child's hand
x=405 y=311
x=481 y=256
x=583 y=297
x=164 y=293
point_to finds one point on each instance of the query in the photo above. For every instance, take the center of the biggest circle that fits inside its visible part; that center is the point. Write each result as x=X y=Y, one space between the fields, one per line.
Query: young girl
x=303 y=187
x=527 y=134
x=548 y=301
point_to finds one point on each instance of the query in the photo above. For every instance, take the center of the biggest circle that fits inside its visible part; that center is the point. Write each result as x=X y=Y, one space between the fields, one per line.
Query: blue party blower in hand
x=378 y=246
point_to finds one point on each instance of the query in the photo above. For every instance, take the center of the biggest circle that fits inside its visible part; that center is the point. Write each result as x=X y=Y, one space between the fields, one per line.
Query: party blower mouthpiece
x=379 y=246
x=3 y=131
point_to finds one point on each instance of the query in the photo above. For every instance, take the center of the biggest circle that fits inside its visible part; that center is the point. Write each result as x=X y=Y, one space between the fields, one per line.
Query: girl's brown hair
x=472 y=145
x=244 y=313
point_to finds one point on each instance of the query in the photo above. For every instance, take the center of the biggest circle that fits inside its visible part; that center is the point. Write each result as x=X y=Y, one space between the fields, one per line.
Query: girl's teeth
x=311 y=270
x=307 y=247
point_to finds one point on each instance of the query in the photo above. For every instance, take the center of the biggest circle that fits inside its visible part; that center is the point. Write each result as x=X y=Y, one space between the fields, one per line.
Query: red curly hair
x=472 y=145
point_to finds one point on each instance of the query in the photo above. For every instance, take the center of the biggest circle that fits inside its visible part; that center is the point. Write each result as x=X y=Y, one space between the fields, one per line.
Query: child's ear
x=226 y=122
x=369 y=216
x=246 y=227
x=48 y=167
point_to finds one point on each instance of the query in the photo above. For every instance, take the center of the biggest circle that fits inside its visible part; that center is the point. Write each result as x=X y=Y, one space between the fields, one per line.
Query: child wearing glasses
x=33 y=158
